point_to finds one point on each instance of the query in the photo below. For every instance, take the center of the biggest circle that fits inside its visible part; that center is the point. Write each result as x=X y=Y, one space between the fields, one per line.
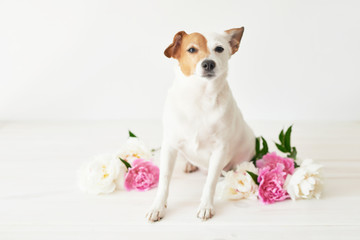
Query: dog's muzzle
x=208 y=68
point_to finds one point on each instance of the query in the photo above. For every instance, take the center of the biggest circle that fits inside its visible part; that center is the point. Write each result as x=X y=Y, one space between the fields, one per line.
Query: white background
x=298 y=60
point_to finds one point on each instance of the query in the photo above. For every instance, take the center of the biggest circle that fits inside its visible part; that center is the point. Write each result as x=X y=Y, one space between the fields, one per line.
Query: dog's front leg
x=167 y=161
x=216 y=164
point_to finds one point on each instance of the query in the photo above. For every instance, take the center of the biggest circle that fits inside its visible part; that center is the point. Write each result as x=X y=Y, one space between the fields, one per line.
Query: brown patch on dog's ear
x=173 y=49
x=236 y=35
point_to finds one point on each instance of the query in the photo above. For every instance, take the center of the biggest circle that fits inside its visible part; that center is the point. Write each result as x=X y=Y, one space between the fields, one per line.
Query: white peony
x=238 y=184
x=120 y=181
x=102 y=174
x=134 y=149
x=306 y=181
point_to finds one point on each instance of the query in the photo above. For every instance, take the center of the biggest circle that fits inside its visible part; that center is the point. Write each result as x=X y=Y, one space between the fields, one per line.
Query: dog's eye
x=191 y=50
x=219 y=49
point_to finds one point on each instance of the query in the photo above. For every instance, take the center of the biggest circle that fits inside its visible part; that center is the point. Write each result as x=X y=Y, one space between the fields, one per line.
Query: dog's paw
x=205 y=213
x=156 y=214
x=189 y=168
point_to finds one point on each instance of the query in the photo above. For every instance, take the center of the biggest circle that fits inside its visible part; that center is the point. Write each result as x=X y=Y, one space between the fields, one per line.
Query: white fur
x=202 y=122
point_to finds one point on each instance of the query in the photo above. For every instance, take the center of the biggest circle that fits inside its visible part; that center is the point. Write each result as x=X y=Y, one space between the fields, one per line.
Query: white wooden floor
x=39 y=198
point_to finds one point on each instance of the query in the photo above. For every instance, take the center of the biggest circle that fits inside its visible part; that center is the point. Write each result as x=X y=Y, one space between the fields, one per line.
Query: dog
x=201 y=120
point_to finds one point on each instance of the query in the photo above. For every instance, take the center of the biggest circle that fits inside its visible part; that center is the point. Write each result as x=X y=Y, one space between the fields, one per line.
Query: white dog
x=201 y=119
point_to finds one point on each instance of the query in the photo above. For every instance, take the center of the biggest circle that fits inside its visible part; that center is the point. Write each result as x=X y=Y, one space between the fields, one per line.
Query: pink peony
x=271 y=182
x=142 y=176
x=272 y=159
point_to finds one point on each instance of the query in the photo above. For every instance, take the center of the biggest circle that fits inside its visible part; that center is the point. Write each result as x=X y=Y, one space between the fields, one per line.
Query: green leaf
x=127 y=164
x=287 y=142
x=257 y=149
x=260 y=152
x=293 y=153
x=296 y=165
x=281 y=148
x=257 y=145
x=131 y=134
x=265 y=149
x=253 y=176
x=282 y=137
x=253 y=160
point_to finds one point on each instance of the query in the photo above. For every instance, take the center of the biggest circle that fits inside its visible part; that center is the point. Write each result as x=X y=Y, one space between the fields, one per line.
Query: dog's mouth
x=208 y=74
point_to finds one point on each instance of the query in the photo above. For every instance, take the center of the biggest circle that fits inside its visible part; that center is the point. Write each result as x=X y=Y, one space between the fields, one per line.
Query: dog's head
x=204 y=55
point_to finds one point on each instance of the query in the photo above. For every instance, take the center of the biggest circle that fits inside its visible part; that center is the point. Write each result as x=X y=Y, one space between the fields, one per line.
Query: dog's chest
x=196 y=122
x=198 y=146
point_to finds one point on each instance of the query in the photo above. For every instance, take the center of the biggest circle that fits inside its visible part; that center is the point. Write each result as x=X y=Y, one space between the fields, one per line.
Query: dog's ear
x=235 y=38
x=173 y=49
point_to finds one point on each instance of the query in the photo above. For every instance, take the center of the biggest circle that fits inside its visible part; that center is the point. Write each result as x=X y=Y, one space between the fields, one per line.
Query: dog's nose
x=208 y=65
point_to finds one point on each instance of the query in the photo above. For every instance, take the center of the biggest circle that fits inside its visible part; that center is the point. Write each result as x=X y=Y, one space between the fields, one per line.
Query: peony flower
x=238 y=184
x=271 y=181
x=272 y=159
x=101 y=174
x=305 y=182
x=119 y=181
x=134 y=149
x=246 y=166
x=142 y=176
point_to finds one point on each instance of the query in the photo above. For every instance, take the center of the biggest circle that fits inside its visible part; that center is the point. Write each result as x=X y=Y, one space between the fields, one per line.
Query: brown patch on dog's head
x=236 y=35
x=188 y=49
